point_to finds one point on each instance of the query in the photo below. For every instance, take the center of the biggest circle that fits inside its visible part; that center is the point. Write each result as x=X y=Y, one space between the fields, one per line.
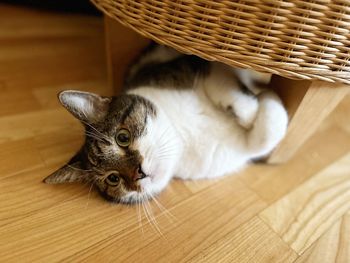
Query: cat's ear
x=69 y=173
x=87 y=107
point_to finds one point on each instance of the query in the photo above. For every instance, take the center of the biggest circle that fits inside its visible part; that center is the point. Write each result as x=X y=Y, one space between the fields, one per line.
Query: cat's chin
x=148 y=191
x=130 y=198
x=150 y=186
x=135 y=198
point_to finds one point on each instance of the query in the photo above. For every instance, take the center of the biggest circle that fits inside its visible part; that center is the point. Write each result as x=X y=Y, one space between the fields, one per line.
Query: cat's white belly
x=214 y=162
x=212 y=153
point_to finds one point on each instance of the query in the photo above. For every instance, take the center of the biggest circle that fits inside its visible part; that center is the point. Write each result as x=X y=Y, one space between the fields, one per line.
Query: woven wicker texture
x=296 y=39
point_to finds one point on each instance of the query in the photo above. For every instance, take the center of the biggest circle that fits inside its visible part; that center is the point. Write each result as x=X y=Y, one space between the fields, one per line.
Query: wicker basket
x=300 y=39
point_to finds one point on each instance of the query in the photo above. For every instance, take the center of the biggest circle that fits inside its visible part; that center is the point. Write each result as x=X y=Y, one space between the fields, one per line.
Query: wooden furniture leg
x=122 y=46
x=308 y=104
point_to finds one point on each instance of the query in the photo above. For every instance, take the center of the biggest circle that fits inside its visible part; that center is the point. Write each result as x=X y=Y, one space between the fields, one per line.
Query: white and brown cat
x=180 y=116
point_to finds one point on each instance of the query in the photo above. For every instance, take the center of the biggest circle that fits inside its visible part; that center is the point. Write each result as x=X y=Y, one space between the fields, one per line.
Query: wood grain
x=333 y=246
x=303 y=215
x=272 y=182
x=308 y=103
x=253 y=242
x=192 y=233
x=238 y=218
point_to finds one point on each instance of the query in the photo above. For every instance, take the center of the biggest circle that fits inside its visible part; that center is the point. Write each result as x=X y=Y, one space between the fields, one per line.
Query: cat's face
x=130 y=149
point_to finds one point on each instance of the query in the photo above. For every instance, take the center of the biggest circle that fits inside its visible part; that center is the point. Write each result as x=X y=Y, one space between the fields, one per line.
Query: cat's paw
x=274 y=110
x=244 y=108
x=269 y=97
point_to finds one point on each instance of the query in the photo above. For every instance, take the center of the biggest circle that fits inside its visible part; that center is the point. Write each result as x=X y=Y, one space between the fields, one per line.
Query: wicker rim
x=295 y=39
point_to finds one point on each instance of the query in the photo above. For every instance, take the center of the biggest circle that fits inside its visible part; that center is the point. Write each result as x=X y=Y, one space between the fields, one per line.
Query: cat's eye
x=123 y=138
x=113 y=179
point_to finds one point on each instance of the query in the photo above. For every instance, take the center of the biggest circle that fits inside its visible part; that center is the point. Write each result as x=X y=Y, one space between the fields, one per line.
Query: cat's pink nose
x=139 y=174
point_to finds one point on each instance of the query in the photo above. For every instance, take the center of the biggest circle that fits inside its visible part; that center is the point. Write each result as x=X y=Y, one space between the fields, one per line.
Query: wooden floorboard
x=294 y=212
x=332 y=246
x=303 y=215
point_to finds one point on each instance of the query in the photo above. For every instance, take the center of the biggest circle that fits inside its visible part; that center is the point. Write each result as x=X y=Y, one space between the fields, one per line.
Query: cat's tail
x=270 y=125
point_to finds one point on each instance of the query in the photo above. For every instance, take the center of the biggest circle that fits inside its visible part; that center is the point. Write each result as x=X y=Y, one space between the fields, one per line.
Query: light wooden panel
x=272 y=182
x=66 y=222
x=308 y=103
x=303 y=215
x=122 y=46
x=18 y=156
x=333 y=246
x=211 y=220
x=253 y=242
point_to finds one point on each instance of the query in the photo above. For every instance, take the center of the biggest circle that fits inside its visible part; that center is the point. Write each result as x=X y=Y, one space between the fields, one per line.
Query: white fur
x=199 y=137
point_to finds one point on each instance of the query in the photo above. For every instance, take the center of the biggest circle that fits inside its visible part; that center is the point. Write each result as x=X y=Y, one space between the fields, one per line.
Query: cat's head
x=130 y=149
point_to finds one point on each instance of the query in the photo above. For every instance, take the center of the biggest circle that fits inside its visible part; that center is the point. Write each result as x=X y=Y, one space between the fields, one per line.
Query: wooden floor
x=296 y=212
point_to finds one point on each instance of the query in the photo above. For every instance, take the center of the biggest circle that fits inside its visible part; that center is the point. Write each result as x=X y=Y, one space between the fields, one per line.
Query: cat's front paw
x=269 y=97
x=245 y=110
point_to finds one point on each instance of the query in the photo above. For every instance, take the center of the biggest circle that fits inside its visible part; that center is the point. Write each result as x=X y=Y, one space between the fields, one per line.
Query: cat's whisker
x=164 y=133
x=89 y=193
x=98 y=132
x=167 y=213
x=144 y=210
x=151 y=163
x=163 y=148
x=78 y=169
x=166 y=142
x=163 y=143
x=98 y=171
x=93 y=132
x=94 y=136
x=170 y=141
x=167 y=157
x=166 y=150
x=139 y=215
x=166 y=153
x=153 y=222
x=86 y=182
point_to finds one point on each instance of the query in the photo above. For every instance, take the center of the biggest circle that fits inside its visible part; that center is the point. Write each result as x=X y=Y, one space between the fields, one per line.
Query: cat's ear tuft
x=87 y=107
x=70 y=173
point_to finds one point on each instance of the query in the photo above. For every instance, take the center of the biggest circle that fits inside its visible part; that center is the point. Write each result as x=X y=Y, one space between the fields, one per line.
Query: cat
x=179 y=116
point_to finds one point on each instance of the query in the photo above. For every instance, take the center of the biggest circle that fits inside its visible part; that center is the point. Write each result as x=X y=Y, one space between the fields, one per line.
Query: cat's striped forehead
x=131 y=112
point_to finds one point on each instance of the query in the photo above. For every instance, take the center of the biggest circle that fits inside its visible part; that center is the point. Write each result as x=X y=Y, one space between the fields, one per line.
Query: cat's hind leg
x=269 y=127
